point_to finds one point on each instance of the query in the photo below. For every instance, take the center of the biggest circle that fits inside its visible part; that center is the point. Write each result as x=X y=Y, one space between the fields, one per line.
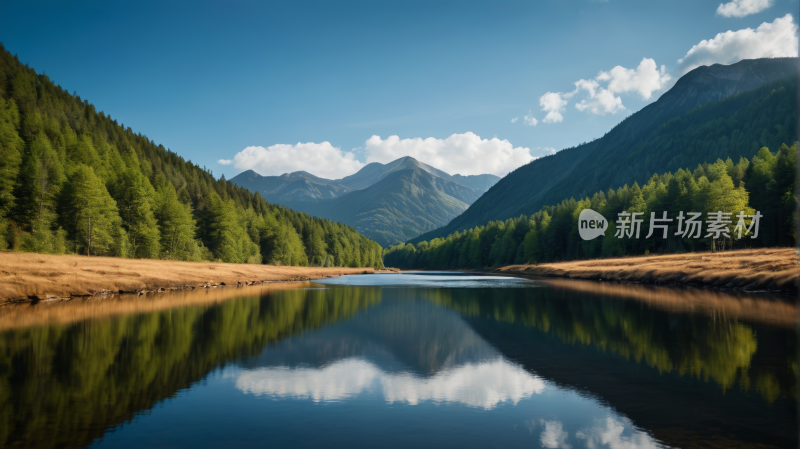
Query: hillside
x=74 y=180
x=644 y=144
x=765 y=183
x=389 y=203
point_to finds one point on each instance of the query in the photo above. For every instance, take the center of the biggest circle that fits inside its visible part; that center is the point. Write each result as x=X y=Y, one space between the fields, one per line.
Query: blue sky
x=209 y=79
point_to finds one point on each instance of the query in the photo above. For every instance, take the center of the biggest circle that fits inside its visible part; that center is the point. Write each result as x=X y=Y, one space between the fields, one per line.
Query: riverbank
x=30 y=277
x=773 y=269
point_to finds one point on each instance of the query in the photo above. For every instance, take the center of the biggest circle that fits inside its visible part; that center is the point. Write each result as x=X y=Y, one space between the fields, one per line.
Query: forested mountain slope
x=390 y=203
x=73 y=180
x=764 y=183
x=729 y=125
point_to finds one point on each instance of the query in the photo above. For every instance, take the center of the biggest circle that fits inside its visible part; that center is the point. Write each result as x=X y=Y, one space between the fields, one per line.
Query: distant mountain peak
x=401 y=160
x=297 y=174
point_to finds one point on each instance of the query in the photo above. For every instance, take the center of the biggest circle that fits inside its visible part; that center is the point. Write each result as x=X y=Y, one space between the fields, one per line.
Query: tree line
x=74 y=180
x=764 y=184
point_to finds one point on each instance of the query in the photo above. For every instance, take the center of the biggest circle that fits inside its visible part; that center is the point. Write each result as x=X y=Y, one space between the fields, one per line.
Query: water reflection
x=411 y=351
x=62 y=385
x=459 y=360
x=483 y=385
x=691 y=380
x=719 y=349
x=768 y=308
x=615 y=434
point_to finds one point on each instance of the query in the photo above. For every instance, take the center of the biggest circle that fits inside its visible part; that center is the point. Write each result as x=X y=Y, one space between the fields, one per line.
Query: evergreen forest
x=763 y=184
x=75 y=181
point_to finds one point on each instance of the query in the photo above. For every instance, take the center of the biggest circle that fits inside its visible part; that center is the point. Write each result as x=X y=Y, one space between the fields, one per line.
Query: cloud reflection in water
x=483 y=385
x=609 y=434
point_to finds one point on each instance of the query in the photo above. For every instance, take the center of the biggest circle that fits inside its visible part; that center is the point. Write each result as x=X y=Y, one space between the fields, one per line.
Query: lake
x=399 y=360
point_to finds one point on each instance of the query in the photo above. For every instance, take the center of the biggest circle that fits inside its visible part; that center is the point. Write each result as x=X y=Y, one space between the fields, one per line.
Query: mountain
x=390 y=203
x=400 y=206
x=643 y=143
x=375 y=171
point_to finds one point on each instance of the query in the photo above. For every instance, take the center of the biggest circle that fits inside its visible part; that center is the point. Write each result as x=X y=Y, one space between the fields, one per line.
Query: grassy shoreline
x=774 y=269
x=30 y=277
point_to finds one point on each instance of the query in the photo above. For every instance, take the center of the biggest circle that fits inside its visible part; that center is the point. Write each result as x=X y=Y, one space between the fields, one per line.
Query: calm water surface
x=402 y=360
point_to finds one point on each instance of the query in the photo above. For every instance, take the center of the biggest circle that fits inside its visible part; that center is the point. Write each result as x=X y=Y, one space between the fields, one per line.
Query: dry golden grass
x=757 y=269
x=28 y=275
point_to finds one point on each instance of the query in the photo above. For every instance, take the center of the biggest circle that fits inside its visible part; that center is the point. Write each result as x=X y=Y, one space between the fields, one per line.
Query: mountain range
x=711 y=112
x=390 y=203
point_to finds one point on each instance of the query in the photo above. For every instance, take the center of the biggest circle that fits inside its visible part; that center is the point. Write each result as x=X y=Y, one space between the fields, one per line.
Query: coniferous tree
x=91 y=217
x=176 y=225
x=11 y=148
x=135 y=197
x=38 y=183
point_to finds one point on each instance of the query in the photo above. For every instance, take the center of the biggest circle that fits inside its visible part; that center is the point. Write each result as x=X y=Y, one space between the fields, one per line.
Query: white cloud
x=601 y=102
x=590 y=86
x=554 y=103
x=484 y=385
x=554 y=436
x=321 y=159
x=465 y=154
x=224 y=162
x=549 y=150
x=645 y=79
x=530 y=120
x=609 y=435
x=769 y=40
x=742 y=8
x=514 y=120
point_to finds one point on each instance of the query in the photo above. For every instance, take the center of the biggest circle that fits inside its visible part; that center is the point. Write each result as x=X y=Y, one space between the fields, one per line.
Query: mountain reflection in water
x=450 y=360
x=410 y=352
